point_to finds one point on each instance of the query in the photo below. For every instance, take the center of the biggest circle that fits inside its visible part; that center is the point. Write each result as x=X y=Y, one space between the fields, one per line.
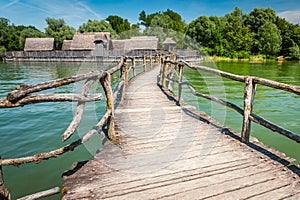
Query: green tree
x=4 y=32
x=269 y=39
x=97 y=26
x=2 y=52
x=295 y=52
x=58 y=29
x=161 y=27
x=258 y=17
x=238 y=36
x=175 y=21
x=286 y=32
x=118 y=23
x=203 y=31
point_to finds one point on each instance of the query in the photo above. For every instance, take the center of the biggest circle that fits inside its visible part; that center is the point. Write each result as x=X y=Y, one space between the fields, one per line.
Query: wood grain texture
x=172 y=152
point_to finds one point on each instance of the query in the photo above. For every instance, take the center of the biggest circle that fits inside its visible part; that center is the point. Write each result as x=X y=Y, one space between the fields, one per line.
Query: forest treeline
x=235 y=35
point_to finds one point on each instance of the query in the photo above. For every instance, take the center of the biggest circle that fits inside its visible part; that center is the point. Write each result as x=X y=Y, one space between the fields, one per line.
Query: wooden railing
x=24 y=95
x=169 y=65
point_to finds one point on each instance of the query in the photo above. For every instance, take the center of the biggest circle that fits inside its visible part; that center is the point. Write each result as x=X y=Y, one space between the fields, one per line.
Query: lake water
x=37 y=128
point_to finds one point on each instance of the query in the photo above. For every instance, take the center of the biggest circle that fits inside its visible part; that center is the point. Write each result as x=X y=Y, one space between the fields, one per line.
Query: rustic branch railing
x=23 y=96
x=168 y=69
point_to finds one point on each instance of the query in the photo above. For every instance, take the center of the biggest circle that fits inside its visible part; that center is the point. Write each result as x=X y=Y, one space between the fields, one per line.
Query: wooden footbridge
x=157 y=147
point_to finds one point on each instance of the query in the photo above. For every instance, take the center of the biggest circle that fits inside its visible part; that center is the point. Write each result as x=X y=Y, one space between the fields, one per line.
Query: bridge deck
x=171 y=152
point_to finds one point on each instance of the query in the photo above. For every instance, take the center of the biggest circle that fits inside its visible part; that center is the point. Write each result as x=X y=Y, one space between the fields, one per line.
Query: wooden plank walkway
x=171 y=152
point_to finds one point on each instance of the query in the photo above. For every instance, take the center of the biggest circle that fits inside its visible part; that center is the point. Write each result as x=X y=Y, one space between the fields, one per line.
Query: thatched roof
x=86 y=41
x=66 y=45
x=169 y=41
x=143 y=42
x=39 y=44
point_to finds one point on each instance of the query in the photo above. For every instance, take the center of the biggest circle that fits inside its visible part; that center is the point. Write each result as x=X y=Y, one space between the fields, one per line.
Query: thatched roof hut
x=169 y=41
x=169 y=44
x=39 y=44
x=136 y=43
x=87 y=41
x=66 y=45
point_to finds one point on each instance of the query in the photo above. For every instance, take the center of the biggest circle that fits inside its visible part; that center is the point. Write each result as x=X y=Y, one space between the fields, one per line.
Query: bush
x=294 y=52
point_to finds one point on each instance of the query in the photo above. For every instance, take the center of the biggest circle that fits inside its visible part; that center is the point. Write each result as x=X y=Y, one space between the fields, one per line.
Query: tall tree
x=238 y=36
x=97 y=26
x=4 y=32
x=203 y=31
x=58 y=29
x=118 y=23
x=175 y=21
x=258 y=17
x=269 y=39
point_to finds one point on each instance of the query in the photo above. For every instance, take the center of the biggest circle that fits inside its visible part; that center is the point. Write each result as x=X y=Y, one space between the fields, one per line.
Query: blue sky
x=76 y=12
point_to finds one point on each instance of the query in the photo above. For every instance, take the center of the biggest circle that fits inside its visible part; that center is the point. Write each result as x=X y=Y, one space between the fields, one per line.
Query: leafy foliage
x=118 y=23
x=97 y=26
x=58 y=29
x=171 y=20
x=13 y=37
x=2 y=52
x=269 y=39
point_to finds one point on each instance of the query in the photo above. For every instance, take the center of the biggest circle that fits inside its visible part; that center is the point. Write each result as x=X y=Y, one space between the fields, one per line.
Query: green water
x=37 y=128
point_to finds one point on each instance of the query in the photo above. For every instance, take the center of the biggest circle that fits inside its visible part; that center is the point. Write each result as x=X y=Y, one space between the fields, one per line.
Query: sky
x=77 y=12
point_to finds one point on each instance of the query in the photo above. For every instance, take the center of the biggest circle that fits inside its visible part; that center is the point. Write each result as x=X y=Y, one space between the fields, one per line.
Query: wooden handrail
x=249 y=94
x=23 y=96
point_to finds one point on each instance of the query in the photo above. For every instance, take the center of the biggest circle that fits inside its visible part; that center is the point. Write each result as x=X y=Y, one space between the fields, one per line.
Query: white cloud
x=291 y=16
x=89 y=10
x=34 y=12
x=11 y=3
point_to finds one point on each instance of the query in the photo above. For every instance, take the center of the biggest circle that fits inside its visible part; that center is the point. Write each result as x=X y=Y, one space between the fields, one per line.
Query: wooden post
x=164 y=73
x=4 y=193
x=126 y=74
x=42 y=194
x=133 y=67
x=171 y=77
x=144 y=63
x=180 y=68
x=106 y=84
x=150 y=58
x=160 y=59
x=249 y=93
x=174 y=57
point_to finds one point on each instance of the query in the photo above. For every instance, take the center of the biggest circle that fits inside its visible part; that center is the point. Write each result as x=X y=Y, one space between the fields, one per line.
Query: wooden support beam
x=126 y=74
x=180 y=68
x=133 y=67
x=42 y=194
x=106 y=84
x=42 y=98
x=145 y=63
x=249 y=93
x=4 y=193
x=78 y=113
x=27 y=89
x=150 y=58
x=164 y=74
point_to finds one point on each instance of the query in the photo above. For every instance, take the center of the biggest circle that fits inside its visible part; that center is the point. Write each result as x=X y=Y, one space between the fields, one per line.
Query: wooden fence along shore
x=169 y=67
